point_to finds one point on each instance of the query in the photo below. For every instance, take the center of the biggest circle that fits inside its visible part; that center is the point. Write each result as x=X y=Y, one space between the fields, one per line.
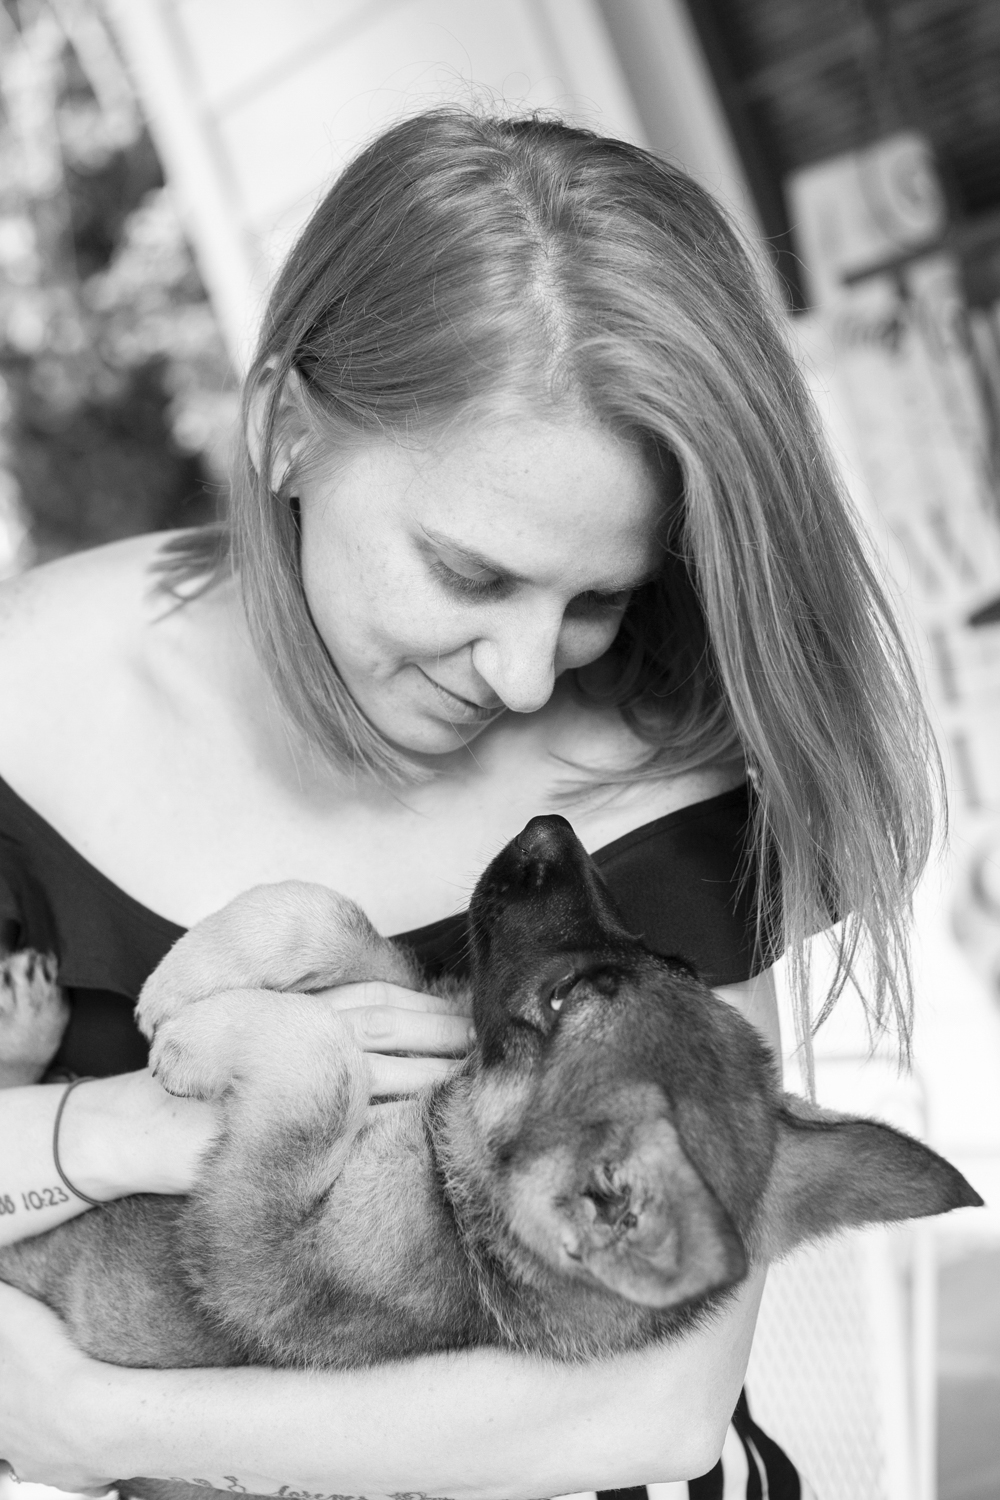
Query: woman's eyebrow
x=476 y=560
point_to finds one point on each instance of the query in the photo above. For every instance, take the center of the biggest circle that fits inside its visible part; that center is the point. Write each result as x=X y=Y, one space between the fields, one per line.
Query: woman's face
x=454 y=581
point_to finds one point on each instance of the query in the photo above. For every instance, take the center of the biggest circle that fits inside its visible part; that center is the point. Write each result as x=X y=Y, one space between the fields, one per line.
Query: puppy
x=599 y=1175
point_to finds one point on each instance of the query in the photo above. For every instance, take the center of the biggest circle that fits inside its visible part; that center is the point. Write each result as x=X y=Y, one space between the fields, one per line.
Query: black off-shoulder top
x=683 y=881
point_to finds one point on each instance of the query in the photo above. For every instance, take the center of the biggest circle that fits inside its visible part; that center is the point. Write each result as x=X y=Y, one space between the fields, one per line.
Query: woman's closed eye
x=483 y=585
x=593 y=603
x=474 y=584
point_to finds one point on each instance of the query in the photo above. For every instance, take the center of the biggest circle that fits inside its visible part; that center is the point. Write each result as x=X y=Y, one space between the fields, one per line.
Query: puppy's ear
x=831 y=1171
x=650 y=1228
x=635 y=1217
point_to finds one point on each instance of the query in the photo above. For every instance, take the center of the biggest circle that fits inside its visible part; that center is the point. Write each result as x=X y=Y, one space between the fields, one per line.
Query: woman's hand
x=40 y=1371
x=153 y=1141
x=411 y=1039
x=116 y=1136
x=127 y=1135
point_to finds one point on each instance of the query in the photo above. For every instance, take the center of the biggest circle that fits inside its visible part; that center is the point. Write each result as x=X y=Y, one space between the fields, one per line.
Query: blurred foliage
x=117 y=400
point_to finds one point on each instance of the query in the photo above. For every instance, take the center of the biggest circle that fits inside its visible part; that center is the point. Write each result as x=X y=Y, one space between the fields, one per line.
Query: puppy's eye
x=560 y=991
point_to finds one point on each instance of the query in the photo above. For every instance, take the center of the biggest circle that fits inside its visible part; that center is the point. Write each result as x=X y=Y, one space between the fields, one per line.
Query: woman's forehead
x=519 y=490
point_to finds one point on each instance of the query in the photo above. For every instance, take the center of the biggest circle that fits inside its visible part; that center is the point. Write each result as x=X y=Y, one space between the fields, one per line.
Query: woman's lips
x=466 y=709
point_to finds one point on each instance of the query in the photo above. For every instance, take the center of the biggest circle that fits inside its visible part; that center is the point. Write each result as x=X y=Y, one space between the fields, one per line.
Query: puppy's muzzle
x=544 y=886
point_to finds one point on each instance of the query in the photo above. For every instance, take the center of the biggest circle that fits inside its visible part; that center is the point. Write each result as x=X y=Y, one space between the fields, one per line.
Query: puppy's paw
x=194 y=1052
x=33 y=1016
x=254 y=1042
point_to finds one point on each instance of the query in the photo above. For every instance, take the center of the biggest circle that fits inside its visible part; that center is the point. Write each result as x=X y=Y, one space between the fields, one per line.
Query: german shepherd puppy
x=601 y=1172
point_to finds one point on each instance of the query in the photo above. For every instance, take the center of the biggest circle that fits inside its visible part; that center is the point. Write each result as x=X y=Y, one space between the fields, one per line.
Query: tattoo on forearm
x=34 y=1198
x=232 y=1486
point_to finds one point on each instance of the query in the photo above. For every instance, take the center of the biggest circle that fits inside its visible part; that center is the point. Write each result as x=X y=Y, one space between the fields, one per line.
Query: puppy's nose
x=545 y=840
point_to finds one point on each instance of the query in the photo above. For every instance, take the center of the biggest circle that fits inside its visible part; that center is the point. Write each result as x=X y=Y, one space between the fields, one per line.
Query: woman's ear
x=291 y=425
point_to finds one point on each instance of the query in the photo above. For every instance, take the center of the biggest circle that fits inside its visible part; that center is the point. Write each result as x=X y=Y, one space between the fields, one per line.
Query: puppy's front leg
x=294 y=1088
x=291 y=936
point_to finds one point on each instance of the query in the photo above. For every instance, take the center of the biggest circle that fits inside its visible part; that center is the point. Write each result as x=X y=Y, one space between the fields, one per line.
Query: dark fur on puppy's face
x=640 y=1157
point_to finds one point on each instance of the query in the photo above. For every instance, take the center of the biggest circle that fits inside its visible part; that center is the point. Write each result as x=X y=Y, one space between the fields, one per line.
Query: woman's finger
x=391 y=1076
x=384 y=1028
x=370 y=993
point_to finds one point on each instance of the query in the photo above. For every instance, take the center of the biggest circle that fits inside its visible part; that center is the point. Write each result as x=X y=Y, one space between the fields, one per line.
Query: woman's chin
x=419 y=717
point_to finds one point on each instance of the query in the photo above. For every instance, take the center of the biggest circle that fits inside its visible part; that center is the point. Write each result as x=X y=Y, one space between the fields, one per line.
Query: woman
x=532 y=511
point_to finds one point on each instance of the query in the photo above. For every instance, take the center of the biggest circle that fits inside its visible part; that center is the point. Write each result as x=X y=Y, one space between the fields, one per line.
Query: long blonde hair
x=461 y=259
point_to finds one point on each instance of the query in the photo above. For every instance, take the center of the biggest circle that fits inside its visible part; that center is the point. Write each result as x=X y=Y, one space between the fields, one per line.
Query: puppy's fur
x=598 y=1175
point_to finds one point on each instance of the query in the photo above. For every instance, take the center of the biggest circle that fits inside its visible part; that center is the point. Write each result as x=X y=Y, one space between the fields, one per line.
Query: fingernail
x=470 y=1036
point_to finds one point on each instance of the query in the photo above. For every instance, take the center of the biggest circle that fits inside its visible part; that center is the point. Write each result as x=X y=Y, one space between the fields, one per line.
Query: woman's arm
x=117 y=1136
x=474 y=1426
x=757 y=1000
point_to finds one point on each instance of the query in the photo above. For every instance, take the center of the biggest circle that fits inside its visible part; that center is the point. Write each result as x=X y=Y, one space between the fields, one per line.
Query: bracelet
x=94 y=1202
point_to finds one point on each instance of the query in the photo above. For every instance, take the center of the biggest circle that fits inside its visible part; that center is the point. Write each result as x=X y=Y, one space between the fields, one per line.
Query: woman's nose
x=517 y=660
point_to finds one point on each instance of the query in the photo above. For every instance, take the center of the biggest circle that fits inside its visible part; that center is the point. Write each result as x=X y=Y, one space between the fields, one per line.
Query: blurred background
x=156 y=159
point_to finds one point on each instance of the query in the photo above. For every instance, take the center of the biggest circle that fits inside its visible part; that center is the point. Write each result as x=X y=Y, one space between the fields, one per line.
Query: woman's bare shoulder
x=69 y=631
x=83 y=590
